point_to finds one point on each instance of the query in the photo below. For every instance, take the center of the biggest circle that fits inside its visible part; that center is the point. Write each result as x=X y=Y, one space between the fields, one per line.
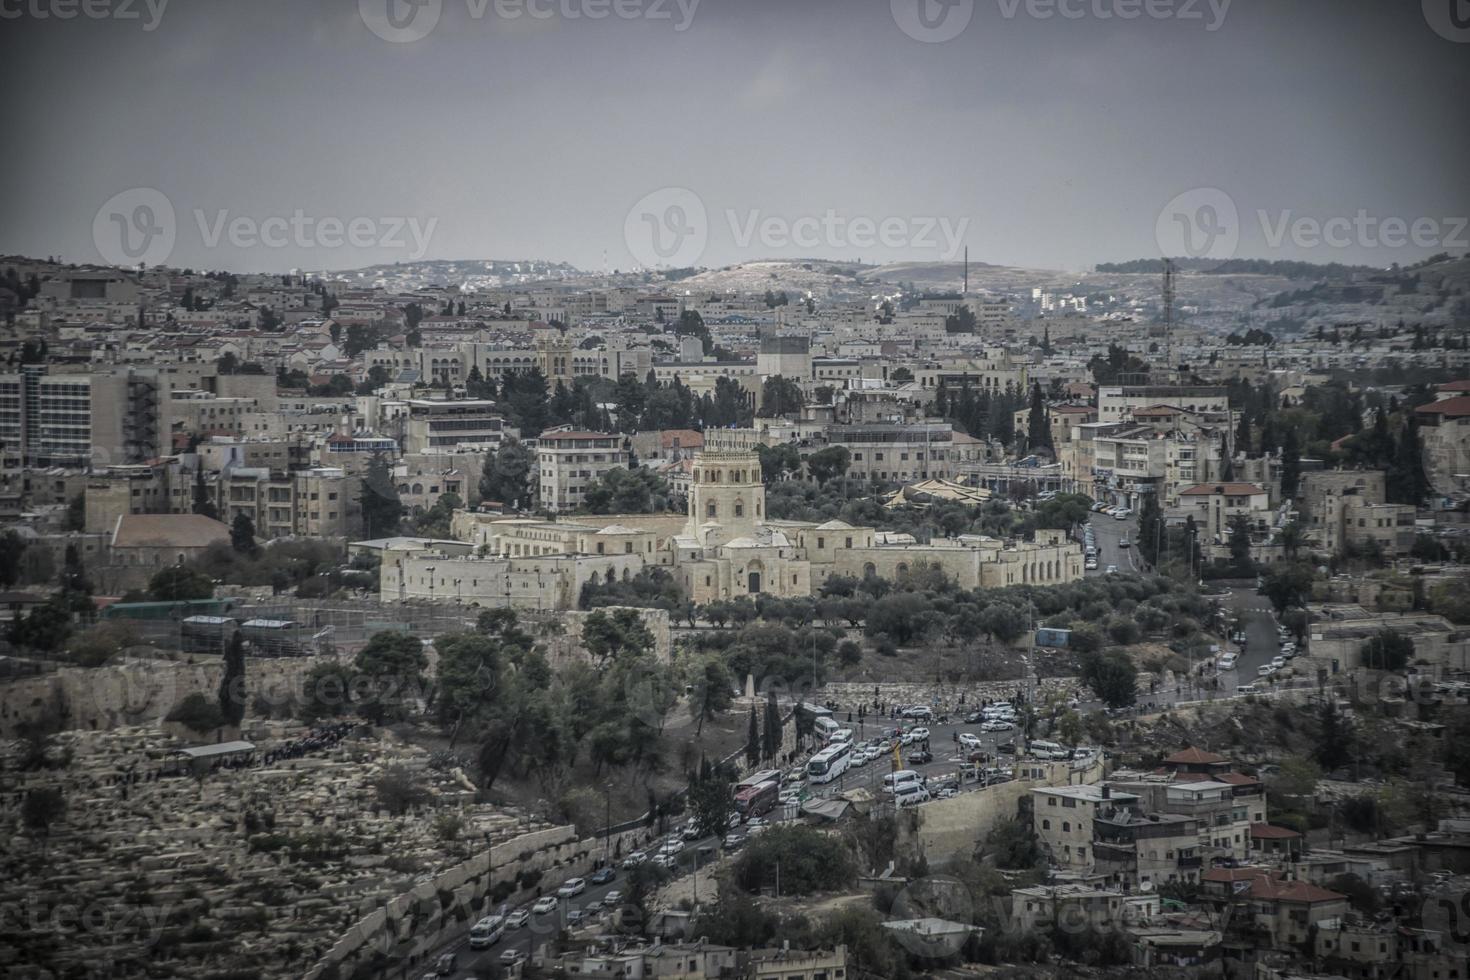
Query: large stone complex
x=723 y=548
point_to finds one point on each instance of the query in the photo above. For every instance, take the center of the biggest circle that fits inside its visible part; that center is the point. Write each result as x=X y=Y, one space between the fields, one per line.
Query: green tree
x=711 y=695
x=780 y=396
x=1291 y=465
x=381 y=508
x=507 y=476
x=831 y=463
x=616 y=635
x=179 y=583
x=711 y=801
x=772 y=735
x=1112 y=677
x=1038 y=429
x=1240 y=543
x=621 y=491
x=753 y=741
x=242 y=534
x=777 y=462
x=393 y=665
x=1388 y=650
x=1288 y=584
x=232 y=683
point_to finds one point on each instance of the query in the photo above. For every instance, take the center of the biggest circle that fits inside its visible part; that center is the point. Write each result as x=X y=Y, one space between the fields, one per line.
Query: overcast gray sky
x=1032 y=137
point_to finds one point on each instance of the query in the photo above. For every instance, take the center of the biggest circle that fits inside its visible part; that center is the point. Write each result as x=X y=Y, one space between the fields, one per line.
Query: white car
x=1265 y=670
x=544 y=905
x=1122 y=514
x=1111 y=569
x=920 y=734
x=1278 y=662
x=612 y=898
x=970 y=741
x=517 y=919
x=512 y=956
x=573 y=887
x=998 y=725
x=672 y=846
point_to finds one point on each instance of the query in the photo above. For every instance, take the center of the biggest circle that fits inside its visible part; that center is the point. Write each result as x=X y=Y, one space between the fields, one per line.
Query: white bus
x=756 y=778
x=829 y=763
x=487 y=932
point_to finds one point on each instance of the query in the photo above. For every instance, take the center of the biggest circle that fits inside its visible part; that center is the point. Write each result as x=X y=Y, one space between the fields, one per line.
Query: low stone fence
x=413 y=927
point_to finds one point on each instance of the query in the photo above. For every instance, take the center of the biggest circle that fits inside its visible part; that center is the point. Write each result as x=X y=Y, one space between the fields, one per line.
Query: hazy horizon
x=734 y=132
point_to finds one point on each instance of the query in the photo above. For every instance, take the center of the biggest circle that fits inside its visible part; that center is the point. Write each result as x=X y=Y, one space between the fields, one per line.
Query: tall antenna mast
x=966 y=290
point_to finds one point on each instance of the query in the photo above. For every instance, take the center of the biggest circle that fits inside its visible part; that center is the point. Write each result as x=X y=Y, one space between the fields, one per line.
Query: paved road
x=1110 y=531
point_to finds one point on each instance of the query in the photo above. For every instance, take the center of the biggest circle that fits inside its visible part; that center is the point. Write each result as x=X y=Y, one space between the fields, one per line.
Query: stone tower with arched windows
x=726 y=497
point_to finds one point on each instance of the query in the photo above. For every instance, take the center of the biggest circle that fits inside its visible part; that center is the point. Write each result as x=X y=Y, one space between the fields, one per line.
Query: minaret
x=726 y=496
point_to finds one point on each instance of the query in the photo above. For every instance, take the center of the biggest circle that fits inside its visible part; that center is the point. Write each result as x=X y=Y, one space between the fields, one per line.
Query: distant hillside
x=454 y=271
x=1243 y=267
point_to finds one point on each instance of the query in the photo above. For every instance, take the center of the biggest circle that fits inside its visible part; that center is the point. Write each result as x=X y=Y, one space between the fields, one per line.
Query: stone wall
x=947 y=829
x=414 y=926
x=140 y=692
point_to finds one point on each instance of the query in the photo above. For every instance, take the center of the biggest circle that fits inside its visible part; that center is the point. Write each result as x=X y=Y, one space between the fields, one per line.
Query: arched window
x=1046 y=825
x=739 y=508
x=710 y=509
x=1066 y=826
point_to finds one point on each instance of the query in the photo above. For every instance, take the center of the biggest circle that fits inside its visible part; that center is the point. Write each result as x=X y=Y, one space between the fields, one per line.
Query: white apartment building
x=431 y=425
x=569 y=462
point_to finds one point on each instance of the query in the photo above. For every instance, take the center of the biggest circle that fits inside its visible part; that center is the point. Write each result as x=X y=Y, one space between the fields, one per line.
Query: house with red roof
x=1283 y=908
x=1444 y=435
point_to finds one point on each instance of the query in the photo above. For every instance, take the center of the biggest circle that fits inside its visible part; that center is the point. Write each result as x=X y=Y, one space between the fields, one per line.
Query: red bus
x=757 y=801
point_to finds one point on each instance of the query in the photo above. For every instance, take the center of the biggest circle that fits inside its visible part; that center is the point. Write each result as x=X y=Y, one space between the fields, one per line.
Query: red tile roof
x=1266 y=831
x=1457 y=407
x=1274 y=890
x=1235 y=778
x=1194 y=756
x=1461 y=385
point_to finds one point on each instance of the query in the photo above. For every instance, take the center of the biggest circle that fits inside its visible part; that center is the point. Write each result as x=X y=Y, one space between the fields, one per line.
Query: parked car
x=1265 y=670
x=1278 y=662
